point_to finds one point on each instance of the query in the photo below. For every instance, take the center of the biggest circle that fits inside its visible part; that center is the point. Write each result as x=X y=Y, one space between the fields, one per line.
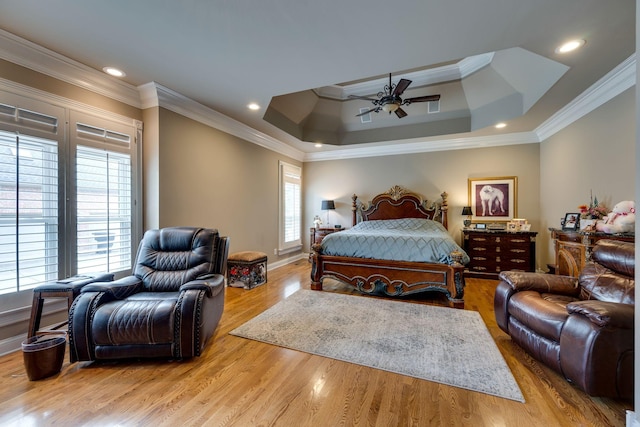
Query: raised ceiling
x=475 y=93
x=225 y=55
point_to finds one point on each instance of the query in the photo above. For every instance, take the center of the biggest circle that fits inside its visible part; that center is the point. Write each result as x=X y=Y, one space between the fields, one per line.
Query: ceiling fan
x=390 y=100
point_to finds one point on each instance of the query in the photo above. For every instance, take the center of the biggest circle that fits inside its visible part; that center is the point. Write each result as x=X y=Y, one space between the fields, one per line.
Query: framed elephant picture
x=493 y=199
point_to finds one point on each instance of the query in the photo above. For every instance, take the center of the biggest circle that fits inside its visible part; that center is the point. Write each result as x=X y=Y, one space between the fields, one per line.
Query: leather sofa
x=582 y=327
x=168 y=307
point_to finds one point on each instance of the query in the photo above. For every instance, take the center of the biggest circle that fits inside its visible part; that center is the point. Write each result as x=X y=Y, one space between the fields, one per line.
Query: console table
x=573 y=248
x=493 y=251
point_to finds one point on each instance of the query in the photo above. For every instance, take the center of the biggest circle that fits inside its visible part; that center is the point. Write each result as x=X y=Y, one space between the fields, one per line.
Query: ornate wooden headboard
x=399 y=202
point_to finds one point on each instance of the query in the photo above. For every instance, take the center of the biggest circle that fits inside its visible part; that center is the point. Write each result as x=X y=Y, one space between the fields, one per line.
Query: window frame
x=289 y=173
x=64 y=109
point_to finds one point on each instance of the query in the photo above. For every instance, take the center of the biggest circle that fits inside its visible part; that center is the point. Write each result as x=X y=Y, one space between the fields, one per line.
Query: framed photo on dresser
x=571 y=221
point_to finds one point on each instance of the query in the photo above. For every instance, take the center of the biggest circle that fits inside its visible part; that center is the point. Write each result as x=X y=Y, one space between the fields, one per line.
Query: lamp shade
x=467 y=210
x=328 y=204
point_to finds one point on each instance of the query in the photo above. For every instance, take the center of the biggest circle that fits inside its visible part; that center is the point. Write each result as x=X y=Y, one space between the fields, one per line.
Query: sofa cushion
x=543 y=313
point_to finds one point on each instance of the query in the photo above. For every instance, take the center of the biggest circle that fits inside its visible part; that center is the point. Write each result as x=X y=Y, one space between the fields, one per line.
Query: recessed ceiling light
x=253 y=106
x=570 y=46
x=318 y=145
x=501 y=125
x=112 y=71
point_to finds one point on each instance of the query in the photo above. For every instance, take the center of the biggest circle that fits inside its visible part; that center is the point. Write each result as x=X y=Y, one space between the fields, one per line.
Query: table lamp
x=466 y=210
x=328 y=205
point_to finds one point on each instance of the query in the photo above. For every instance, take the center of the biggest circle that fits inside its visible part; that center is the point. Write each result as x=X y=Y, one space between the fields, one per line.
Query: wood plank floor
x=239 y=382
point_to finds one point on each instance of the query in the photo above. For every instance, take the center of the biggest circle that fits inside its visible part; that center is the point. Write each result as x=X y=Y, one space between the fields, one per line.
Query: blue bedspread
x=409 y=239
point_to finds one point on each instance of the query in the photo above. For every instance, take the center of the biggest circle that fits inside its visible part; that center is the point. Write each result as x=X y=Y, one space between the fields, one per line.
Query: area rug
x=440 y=344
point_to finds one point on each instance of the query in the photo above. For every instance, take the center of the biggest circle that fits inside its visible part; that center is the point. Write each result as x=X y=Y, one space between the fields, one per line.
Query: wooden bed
x=393 y=278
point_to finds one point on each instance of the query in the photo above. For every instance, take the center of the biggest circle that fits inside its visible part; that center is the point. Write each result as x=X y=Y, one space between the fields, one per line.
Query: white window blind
x=28 y=211
x=103 y=210
x=290 y=207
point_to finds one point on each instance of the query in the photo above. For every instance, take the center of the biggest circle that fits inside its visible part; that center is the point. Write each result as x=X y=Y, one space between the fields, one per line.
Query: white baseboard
x=12 y=344
x=632 y=421
x=285 y=261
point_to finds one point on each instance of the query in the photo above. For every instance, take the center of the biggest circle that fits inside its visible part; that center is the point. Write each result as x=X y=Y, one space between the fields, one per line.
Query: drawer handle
x=518 y=261
x=480 y=268
x=518 y=251
x=479 y=258
x=518 y=240
x=479 y=249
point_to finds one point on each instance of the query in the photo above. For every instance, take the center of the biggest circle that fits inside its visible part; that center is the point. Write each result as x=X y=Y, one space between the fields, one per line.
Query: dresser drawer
x=491 y=252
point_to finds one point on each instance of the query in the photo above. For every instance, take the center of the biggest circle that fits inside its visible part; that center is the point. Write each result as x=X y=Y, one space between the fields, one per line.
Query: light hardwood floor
x=238 y=382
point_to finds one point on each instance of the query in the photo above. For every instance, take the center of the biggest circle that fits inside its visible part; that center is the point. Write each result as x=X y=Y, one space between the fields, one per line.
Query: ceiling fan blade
x=427 y=98
x=400 y=113
x=361 y=97
x=373 y=110
x=402 y=85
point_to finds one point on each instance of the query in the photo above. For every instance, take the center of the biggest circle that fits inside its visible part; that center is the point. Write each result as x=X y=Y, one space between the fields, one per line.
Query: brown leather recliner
x=582 y=327
x=168 y=308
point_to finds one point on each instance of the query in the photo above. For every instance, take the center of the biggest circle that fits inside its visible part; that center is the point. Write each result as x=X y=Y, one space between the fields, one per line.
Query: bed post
x=444 y=208
x=354 y=208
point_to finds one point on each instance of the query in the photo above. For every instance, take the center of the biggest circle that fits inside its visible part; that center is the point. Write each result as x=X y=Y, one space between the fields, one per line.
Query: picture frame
x=571 y=221
x=525 y=227
x=513 y=226
x=481 y=226
x=493 y=199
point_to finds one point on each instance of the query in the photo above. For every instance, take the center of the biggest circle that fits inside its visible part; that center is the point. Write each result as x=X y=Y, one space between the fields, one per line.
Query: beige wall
x=426 y=173
x=213 y=179
x=595 y=153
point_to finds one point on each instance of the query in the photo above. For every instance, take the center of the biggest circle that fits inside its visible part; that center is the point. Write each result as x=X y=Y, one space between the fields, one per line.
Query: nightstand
x=317 y=234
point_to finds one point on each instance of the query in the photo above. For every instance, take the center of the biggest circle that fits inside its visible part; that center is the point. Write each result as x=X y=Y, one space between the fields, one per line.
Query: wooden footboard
x=390 y=278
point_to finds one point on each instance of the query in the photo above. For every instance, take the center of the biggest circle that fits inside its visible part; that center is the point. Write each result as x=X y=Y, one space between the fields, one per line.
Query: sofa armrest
x=604 y=314
x=540 y=282
x=213 y=284
x=118 y=289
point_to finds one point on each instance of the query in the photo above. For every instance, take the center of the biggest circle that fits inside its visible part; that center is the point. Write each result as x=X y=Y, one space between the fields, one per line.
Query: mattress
x=407 y=239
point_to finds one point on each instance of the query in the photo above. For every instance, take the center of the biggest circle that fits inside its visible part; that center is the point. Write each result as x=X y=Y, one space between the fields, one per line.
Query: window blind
x=103 y=186
x=290 y=206
x=28 y=211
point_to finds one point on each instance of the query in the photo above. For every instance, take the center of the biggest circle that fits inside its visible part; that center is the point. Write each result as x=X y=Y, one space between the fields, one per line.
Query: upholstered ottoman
x=247 y=269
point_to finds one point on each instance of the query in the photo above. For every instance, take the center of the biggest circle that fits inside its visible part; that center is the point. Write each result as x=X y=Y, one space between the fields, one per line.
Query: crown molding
x=40 y=59
x=30 y=55
x=608 y=87
x=420 y=146
x=155 y=95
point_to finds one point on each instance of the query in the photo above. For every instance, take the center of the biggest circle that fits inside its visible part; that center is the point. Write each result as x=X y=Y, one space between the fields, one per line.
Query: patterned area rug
x=438 y=344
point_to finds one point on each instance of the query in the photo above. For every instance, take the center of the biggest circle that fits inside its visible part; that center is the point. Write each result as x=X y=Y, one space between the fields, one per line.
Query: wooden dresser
x=573 y=248
x=493 y=251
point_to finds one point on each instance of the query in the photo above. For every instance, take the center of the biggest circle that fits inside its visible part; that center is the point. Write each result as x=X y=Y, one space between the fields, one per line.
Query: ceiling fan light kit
x=390 y=100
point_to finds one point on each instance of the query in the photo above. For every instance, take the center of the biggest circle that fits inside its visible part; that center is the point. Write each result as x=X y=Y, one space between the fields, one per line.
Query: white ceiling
x=226 y=54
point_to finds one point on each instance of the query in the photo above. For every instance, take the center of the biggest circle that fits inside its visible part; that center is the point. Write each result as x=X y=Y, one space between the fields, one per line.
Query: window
x=28 y=211
x=290 y=208
x=67 y=193
x=103 y=237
